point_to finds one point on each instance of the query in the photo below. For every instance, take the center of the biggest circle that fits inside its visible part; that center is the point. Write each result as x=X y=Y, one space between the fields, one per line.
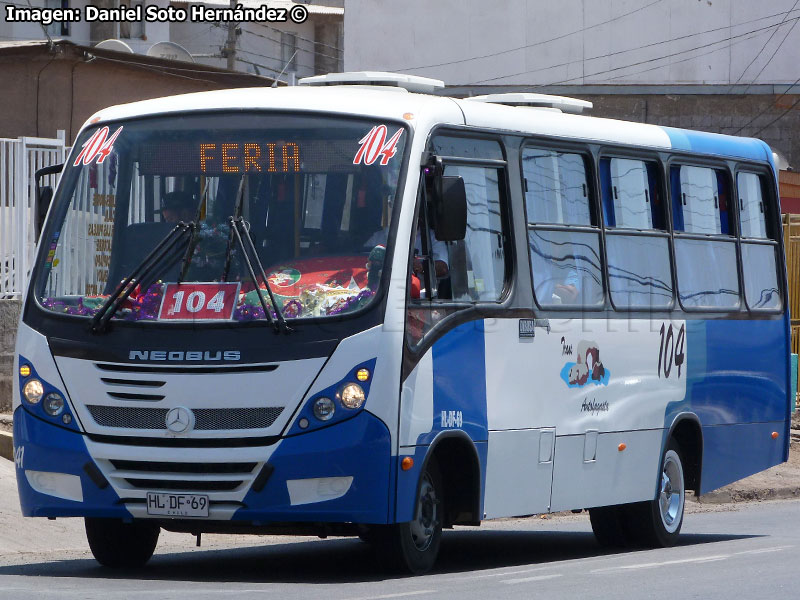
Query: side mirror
x=44 y=196
x=449 y=208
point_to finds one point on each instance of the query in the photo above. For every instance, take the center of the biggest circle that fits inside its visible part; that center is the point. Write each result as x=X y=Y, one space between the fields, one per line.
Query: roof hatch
x=412 y=83
x=562 y=103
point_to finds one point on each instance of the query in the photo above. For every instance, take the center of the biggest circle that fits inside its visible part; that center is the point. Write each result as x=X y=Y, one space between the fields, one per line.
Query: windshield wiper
x=145 y=269
x=240 y=231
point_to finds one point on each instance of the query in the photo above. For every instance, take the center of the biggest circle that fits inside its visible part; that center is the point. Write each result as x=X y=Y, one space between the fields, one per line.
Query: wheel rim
x=671 y=495
x=426 y=520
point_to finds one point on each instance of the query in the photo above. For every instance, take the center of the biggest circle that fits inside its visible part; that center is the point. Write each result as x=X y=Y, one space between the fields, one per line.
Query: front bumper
x=338 y=474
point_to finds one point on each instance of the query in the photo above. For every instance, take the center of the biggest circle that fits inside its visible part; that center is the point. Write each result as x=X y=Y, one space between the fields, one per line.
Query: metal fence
x=19 y=161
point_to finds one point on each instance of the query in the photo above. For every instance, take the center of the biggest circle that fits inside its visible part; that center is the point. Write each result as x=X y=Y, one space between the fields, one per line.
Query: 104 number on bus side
x=671 y=353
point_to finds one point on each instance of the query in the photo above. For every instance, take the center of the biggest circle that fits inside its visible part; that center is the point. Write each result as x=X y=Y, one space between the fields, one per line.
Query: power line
x=772 y=35
x=643 y=62
x=314 y=52
x=766 y=109
x=769 y=60
x=779 y=117
x=560 y=37
x=694 y=56
x=683 y=37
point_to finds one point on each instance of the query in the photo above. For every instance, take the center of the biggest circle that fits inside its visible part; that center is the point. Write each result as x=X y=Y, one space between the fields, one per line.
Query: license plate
x=177 y=505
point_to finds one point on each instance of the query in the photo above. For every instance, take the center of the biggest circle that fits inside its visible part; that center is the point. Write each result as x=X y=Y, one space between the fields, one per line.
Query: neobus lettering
x=179 y=355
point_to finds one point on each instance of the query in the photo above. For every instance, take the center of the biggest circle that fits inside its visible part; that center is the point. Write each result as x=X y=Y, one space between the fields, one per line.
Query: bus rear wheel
x=414 y=546
x=658 y=522
x=121 y=545
x=610 y=525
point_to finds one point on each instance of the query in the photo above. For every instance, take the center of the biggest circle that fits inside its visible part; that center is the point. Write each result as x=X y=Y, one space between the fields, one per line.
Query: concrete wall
x=540 y=42
x=9 y=316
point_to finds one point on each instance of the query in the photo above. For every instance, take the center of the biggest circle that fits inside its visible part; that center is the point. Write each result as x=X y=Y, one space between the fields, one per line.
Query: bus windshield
x=314 y=193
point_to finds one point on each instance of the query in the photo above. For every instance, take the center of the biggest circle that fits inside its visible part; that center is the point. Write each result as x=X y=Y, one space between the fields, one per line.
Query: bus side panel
x=737 y=371
x=733 y=452
x=737 y=387
x=445 y=393
x=610 y=475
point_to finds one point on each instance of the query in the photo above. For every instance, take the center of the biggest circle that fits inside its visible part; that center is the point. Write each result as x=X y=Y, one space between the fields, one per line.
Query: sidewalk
x=781 y=481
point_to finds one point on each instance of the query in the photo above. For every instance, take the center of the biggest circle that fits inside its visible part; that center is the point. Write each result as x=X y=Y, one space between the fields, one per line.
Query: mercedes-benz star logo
x=180 y=420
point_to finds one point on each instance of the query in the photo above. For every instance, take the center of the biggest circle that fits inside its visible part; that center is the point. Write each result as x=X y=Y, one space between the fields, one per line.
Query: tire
x=658 y=522
x=121 y=545
x=609 y=524
x=414 y=546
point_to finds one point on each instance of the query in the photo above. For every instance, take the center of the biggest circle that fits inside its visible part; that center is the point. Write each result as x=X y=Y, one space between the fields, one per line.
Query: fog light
x=25 y=370
x=362 y=374
x=351 y=396
x=33 y=391
x=53 y=404
x=324 y=408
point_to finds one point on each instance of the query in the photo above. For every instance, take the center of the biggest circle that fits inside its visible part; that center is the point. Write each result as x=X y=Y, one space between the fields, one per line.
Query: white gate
x=19 y=161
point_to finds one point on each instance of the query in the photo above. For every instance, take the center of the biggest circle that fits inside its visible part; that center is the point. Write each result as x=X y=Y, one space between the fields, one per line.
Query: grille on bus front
x=206 y=419
x=181 y=476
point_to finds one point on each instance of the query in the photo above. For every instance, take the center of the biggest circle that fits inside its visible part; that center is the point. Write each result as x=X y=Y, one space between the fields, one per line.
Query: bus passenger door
x=519 y=472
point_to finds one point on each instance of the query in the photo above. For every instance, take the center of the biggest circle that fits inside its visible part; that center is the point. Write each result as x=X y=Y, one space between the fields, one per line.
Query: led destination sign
x=220 y=157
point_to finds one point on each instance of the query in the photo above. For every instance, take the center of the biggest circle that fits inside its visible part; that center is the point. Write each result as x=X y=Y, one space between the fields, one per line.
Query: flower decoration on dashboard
x=145 y=307
x=292 y=309
x=353 y=302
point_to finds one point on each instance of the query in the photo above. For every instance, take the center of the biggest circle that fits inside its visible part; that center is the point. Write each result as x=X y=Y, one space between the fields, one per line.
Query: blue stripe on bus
x=733 y=452
x=717 y=144
x=459 y=382
x=54 y=449
x=359 y=447
x=732 y=375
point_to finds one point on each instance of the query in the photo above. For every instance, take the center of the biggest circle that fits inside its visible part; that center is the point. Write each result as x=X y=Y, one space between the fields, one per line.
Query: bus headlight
x=33 y=391
x=53 y=404
x=324 y=408
x=351 y=395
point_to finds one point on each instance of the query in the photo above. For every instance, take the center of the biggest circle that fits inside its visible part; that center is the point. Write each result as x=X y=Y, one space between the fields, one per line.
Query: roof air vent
x=412 y=83
x=562 y=103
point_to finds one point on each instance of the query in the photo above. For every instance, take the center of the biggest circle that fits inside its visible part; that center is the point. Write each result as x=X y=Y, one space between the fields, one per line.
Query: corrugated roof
x=313 y=9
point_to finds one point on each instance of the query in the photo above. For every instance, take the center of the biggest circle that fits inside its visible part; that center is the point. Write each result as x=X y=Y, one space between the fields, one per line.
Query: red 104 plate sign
x=198 y=301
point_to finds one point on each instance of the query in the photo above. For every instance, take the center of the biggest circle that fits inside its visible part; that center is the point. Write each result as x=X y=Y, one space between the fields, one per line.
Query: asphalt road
x=727 y=551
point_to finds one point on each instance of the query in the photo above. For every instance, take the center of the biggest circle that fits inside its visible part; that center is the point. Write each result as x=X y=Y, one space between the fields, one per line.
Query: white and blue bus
x=370 y=310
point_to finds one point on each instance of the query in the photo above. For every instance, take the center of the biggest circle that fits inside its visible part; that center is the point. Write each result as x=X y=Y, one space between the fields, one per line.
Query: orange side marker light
x=622 y=447
x=774 y=435
x=407 y=463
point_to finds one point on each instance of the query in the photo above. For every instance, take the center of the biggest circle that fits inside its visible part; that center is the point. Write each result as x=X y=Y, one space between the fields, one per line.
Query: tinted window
x=630 y=194
x=477 y=264
x=707 y=273
x=751 y=205
x=639 y=273
x=760 y=276
x=566 y=267
x=699 y=200
x=556 y=188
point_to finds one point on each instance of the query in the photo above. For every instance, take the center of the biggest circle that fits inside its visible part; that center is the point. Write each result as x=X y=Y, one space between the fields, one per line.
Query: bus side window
x=704 y=236
x=468 y=271
x=759 y=253
x=563 y=234
x=637 y=243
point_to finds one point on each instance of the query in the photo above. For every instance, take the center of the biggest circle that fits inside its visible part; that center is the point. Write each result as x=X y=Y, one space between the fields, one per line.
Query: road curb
x=6 y=445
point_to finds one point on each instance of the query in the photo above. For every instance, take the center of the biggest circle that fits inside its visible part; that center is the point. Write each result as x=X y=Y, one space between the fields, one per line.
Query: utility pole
x=230 y=44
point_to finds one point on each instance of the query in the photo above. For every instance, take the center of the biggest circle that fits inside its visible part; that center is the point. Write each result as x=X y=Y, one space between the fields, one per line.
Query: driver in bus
x=177 y=206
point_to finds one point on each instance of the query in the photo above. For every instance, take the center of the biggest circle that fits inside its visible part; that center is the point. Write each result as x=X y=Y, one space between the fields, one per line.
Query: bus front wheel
x=119 y=545
x=414 y=546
